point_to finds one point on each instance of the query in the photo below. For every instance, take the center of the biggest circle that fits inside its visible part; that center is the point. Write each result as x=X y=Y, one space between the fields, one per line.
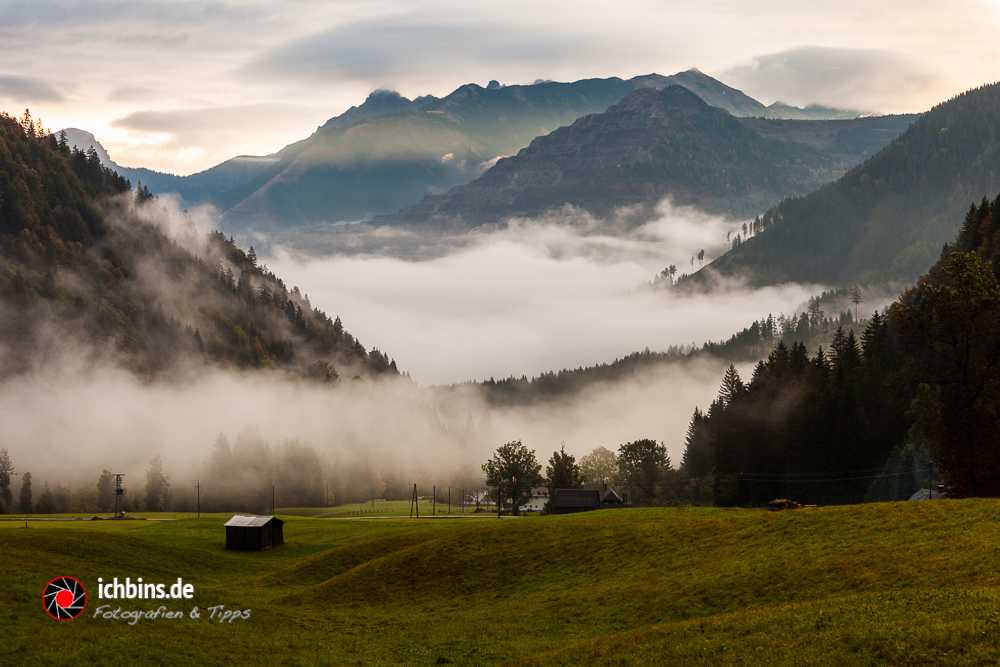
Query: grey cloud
x=19 y=14
x=866 y=78
x=218 y=133
x=199 y=122
x=28 y=89
x=376 y=50
x=130 y=93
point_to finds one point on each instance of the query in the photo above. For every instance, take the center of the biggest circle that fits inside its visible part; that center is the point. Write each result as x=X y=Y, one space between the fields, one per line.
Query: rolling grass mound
x=903 y=583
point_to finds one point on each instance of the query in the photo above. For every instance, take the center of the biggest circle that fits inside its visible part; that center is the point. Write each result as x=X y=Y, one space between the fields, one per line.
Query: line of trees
x=94 y=497
x=641 y=470
x=879 y=417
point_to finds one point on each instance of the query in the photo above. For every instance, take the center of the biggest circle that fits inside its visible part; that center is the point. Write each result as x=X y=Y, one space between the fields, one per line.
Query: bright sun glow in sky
x=180 y=86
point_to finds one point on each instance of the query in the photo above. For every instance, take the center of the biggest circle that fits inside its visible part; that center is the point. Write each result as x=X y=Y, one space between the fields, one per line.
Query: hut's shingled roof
x=251 y=521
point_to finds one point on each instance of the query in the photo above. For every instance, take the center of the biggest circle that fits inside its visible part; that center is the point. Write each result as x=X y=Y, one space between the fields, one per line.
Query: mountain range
x=390 y=151
x=655 y=143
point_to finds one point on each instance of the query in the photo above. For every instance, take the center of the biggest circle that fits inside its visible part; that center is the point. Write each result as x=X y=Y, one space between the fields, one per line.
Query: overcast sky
x=180 y=86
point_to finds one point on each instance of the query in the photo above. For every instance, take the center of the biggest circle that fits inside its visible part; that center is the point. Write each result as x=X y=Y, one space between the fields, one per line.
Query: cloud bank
x=872 y=79
x=533 y=297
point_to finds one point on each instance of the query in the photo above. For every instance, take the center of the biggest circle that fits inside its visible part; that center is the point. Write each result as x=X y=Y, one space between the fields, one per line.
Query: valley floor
x=902 y=583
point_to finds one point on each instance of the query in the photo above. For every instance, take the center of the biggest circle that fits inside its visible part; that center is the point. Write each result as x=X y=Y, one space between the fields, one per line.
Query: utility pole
x=499 y=502
x=119 y=493
x=434 y=501
x=272 y=500
x=449 y=500
x=463 y=500
x=198 y=486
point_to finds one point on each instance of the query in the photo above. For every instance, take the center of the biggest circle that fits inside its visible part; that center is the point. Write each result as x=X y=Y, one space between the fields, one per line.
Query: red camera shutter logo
x=64 y=598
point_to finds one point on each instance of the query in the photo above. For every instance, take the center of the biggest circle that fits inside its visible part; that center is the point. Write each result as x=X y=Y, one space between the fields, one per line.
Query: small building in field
x=539 y=496
x=567 y=501
x=253 y=533
x=928 y=494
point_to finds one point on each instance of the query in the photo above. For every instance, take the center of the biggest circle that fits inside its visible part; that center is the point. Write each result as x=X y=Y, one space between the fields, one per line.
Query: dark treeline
x=640 y=471
x=84 y=260
x=94 y=497
x=812 y=328
x=856 y=421
x=239 y=477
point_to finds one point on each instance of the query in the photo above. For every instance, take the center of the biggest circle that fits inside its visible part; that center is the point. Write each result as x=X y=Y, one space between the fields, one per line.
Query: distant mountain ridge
x=377 y=167
x=390 y=151
x=194 y=189
x=379 y=103
x=654 y=144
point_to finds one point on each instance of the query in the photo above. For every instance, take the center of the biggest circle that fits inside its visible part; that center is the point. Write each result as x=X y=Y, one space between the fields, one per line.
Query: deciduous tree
x=598 y=466
x=514 y=470
x=642 y=464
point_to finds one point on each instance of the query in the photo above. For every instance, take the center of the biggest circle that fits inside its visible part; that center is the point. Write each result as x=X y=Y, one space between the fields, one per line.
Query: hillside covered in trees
x=916 y=397
x=754 y=342
x=89 y=269
x=888 y=218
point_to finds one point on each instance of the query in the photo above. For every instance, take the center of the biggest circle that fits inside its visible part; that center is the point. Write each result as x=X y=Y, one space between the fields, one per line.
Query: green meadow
x=898 y=584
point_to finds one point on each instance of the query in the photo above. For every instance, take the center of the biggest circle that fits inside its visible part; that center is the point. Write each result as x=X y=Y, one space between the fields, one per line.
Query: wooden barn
x=567 y=501
x=253 y=533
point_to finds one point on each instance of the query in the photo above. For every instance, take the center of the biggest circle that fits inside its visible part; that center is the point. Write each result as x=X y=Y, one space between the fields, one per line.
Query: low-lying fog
x=533 y=297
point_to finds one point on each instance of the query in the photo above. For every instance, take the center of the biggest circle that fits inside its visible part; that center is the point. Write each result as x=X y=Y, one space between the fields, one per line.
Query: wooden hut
x=567 y=501
x=253 y=533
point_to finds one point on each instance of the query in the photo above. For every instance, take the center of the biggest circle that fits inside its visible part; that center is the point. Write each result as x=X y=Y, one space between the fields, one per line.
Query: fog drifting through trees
x=528 y=299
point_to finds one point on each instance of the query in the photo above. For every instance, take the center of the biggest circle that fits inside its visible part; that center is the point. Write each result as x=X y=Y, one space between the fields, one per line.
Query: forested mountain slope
x=90 y=271
x=917 y=396
x=887 y=218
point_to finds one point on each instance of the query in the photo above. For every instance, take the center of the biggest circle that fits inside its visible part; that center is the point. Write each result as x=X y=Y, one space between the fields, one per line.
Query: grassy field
x=386 y=508
x=900 y=584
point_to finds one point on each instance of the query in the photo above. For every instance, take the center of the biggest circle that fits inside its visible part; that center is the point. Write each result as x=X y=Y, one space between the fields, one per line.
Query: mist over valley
x=569 y=295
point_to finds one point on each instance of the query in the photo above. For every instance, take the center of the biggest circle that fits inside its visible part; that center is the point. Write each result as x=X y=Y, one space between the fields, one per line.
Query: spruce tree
x=6 y=470
x=24 y=498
